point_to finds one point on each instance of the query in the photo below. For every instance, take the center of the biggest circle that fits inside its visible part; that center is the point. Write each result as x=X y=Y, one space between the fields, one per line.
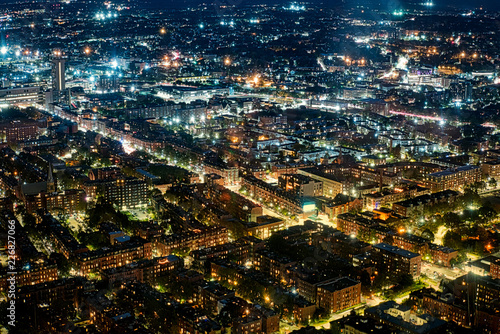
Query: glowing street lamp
x=462 y=55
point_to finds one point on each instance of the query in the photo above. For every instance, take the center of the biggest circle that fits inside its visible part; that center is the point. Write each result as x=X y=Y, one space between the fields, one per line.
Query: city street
x=438 y=237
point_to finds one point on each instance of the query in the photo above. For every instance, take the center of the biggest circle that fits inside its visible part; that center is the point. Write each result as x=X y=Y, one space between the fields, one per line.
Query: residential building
x=453 y=178
x=300 y=185
x=123 y=192
x=338 y=294
x=400 y=317
x=395 y=261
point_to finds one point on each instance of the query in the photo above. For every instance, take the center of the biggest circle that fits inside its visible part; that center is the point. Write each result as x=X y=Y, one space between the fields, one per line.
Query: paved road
x=488 y=192
x=438 y=238
x=445 y=272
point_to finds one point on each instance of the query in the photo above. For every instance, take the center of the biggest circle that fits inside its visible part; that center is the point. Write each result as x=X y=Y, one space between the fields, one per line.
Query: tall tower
x=51 y=185
x=58 y=69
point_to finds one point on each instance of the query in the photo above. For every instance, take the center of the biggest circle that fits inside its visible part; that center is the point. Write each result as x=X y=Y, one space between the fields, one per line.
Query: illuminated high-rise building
x=58 y=77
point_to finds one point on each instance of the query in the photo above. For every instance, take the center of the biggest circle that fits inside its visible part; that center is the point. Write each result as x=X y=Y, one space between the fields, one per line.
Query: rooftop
x=396 y=250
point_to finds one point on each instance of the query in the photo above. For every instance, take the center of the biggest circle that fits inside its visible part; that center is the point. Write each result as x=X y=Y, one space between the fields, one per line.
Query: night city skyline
x=239 y=166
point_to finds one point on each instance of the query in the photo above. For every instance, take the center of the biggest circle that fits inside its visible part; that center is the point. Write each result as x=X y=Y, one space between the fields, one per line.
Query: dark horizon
x=438 y=4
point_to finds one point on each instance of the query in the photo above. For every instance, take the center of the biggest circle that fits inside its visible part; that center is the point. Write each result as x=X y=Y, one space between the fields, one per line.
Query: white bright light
x=402 y=63
x=3 y=50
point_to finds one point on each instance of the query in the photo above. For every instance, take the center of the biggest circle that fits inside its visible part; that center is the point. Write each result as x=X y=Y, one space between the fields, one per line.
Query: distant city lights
x=102 y=16
x=296 y=7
